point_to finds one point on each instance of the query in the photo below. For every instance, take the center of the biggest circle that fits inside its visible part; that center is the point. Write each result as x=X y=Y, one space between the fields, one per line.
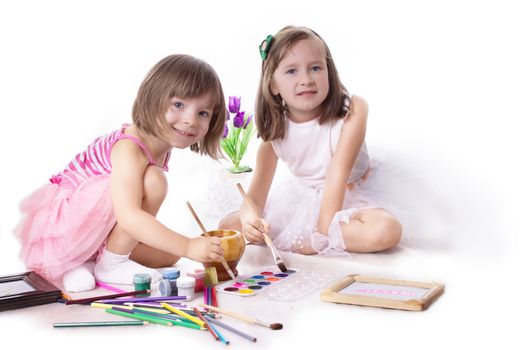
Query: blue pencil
x=230 y=328
x=221 y=337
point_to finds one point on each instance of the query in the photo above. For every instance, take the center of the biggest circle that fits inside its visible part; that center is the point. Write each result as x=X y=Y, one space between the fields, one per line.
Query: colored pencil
x=108 y=287
x=108 y=306
x=157 y=311
x=128 y=307
x=199 y=315
x=155 y=305
x=274 y=326
x=183 y=314
x=161 y=309
x=138 y=300
x=171 y=318
x=99 y=324
x=166 y=316
x=219 y=334
x=175 y=320
x=122 y=309
x=230 y=328
x=147 y=318
x=104 y=297
x=214 y=297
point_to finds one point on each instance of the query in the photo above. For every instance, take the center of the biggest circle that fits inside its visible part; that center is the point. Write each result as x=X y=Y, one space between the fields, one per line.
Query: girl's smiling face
x=301 y=79
x=188 y=120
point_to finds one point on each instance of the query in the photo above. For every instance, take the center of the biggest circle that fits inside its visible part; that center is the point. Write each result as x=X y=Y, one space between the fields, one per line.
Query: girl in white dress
x=307 y=119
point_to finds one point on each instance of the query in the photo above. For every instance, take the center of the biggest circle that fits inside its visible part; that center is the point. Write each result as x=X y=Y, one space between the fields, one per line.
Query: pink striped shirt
x=95 y=159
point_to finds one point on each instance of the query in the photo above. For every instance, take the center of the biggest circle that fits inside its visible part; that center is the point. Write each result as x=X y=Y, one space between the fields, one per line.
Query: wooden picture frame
x=383 y=292
x=26 y=289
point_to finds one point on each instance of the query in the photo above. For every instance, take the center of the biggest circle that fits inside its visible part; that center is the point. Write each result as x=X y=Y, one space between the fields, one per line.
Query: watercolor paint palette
x=251 y=284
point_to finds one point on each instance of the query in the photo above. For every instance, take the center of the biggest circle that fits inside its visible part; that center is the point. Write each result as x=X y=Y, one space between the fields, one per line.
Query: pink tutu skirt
x=64 y=226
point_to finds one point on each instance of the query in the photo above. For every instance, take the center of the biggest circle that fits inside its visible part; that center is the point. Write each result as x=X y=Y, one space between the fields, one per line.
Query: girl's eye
x=178 y=105
x=291 y=71
x=204 y=114
x=316 y=68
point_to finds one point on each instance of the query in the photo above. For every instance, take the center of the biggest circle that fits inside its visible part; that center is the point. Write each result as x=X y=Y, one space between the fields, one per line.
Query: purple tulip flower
x=225 y=132
x=248 y=121
x=238 y=120
x=235 y=104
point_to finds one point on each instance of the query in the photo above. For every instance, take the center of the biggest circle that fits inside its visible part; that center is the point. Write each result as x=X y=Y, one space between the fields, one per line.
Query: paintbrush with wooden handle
x=274 y=326
x=276 y=257
x=205 y=232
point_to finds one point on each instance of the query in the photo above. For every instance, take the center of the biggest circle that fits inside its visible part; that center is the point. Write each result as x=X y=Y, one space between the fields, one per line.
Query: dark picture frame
x=26 y=289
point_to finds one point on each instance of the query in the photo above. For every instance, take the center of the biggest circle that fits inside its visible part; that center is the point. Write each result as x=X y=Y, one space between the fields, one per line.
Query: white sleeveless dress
x=293 y=207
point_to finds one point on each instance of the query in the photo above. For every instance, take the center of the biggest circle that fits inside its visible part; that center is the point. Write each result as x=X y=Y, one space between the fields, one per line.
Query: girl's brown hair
x=270 y=113
x=182 y=76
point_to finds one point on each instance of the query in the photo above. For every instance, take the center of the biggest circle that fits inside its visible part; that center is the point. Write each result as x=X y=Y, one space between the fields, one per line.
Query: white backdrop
x=444 y=81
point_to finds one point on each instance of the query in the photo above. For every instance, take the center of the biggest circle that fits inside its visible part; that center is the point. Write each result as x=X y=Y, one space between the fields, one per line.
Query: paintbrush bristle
x=282 y=266
x=276 y=326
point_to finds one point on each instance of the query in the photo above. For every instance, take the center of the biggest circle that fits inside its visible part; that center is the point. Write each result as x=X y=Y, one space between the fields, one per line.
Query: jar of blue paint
x=168 y=286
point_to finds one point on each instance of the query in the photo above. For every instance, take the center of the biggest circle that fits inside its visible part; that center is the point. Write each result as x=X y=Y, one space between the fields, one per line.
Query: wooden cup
x=233 y=244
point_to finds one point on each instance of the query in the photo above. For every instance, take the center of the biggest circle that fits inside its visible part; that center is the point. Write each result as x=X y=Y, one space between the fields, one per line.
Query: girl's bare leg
x=119 y=242
x=371 y=230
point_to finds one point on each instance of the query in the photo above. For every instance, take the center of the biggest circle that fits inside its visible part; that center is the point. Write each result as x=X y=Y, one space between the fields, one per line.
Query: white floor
x=480 y=307
x=445 y=87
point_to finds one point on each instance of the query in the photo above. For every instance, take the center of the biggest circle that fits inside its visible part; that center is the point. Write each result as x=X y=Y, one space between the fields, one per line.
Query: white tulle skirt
x=293 y=209
x=397 y=185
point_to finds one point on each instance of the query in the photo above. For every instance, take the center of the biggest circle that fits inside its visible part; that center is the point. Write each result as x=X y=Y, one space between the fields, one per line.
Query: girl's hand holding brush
x=276 y=257
x=213 y=241
x=205 y=249
x=254 y=227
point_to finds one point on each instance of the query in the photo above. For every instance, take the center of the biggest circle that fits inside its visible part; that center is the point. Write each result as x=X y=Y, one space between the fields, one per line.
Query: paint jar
x=168 y=286
x=199 y=279
x=186 y=287
x=142 y=281
x=171 y=273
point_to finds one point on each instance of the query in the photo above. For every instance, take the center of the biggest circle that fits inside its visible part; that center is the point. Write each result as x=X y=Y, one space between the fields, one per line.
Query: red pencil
x=214 y=297
x=199 y=315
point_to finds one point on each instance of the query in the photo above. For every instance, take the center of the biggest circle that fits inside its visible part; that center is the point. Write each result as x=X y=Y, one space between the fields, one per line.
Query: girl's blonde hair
x=182 y=76
x=270 y=112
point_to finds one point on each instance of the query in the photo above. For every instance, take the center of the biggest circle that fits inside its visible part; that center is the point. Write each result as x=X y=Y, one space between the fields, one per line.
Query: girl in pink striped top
x=96 y=219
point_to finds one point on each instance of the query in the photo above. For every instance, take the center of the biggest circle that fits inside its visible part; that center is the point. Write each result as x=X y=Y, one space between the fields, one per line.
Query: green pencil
x=174 y=319
x=99 y=324
x=142 y=317
x=188 y=325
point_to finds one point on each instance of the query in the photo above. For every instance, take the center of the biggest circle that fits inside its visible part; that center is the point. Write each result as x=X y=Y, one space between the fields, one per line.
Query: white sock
x=80 y=279
x=115 y=268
